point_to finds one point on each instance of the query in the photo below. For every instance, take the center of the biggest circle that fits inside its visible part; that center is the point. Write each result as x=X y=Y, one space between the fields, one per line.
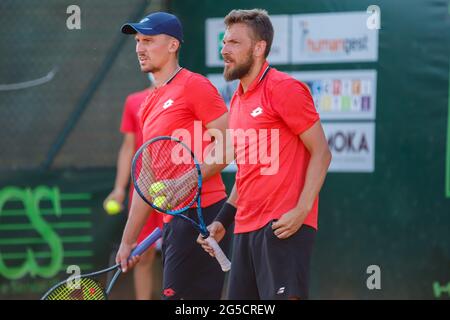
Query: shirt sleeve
x=292 y=100
x=128 y=124
x=204 y=99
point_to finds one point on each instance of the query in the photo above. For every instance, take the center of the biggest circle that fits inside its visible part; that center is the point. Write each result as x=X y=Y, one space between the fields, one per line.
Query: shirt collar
x=172 y=77
x=262 y=73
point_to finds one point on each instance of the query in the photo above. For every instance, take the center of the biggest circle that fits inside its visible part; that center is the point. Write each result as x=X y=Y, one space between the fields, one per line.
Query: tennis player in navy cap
x=180 y=100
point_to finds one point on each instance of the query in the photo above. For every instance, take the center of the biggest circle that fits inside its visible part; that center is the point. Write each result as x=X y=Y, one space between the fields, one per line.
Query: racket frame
x=142 y=247
x=201 y=226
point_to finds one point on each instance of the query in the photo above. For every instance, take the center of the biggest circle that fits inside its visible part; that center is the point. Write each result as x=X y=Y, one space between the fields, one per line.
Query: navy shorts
x=188 y=271
x=268 y=268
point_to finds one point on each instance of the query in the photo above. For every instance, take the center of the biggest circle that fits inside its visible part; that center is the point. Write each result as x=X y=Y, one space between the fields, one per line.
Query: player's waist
x=255 y=220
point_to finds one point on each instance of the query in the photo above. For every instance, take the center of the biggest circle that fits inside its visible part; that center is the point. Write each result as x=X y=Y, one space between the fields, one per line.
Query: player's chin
x=227 y=69
x=146 y=69
x=145 y=66
x=228 y=73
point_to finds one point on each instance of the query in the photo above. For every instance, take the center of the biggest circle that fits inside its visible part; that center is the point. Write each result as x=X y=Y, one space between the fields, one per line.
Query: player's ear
x=174 y=45
x=260 y=48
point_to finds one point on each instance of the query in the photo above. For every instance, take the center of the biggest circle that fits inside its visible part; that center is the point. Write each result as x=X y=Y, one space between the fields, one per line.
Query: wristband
x=226 y=215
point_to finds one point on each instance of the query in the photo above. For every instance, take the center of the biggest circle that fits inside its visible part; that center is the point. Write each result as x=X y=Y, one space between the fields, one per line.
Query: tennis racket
x=167 y=176
x=87 y=287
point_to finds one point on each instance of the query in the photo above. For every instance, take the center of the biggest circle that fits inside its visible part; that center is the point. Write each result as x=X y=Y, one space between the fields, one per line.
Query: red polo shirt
x=271 y=158
x=187 y=103
x=130 y=119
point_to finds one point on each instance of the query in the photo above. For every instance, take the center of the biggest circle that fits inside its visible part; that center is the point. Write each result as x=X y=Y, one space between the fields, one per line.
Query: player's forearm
x=219 y=153
x=137 y=217
x=228 y=212
x=218 y=158
x=315 y=176
x=210 y=170
x=232 y=198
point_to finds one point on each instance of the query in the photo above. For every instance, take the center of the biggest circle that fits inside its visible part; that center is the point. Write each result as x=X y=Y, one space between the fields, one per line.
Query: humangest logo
x=330 y=46
x=333 y=37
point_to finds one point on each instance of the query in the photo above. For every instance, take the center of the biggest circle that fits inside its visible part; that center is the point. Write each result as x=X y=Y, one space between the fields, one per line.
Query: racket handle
x=147 y=242
x=219 y=254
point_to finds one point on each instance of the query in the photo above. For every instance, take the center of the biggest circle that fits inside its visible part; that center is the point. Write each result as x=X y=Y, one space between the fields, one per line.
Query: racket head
x=166 y=175
x=86 y=287
x=83 y=288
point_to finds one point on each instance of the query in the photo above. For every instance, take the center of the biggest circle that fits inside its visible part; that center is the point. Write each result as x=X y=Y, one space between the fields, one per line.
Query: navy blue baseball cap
x=156 y=23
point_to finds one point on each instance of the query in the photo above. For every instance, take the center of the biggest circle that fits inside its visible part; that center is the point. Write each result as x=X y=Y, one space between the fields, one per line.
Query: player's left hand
x=289 y=223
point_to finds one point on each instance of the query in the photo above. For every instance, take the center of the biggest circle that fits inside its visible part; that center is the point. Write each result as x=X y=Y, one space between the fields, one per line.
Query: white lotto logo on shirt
x=167 y=104
x=256 y=112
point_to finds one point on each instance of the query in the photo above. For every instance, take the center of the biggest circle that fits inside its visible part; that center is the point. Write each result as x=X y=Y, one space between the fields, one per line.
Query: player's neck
x=166 y=74
x=248 y=79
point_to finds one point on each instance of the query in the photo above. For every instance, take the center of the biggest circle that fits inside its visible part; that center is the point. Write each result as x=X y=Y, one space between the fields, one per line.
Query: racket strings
x=166 y=175
x=82 y=289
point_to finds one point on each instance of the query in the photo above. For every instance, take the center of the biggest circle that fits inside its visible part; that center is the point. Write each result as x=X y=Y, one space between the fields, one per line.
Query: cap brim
x=133 y=28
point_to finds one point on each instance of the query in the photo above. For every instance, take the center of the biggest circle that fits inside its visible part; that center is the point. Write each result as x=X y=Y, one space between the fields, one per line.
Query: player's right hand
x=122 y=257
x=217 y=231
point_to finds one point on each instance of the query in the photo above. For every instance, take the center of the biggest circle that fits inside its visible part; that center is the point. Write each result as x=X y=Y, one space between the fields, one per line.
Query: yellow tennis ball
x=156 y=187
x=113 y=207
x=160 y=202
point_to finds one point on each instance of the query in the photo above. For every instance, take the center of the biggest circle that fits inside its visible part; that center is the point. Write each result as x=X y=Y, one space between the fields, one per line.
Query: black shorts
x=188 y=271
x=268 y=268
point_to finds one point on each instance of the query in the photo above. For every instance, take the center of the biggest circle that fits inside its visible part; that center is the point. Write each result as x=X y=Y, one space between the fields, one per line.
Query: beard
x=240 y=70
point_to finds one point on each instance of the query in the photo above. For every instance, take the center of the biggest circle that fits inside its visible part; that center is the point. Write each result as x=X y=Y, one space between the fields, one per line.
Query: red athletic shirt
x=130 y=123
x=278 y=108
x=130 y=120
x=187 y=103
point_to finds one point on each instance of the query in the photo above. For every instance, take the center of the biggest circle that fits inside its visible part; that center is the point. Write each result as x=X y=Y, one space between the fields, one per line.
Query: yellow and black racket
x=87 y=287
